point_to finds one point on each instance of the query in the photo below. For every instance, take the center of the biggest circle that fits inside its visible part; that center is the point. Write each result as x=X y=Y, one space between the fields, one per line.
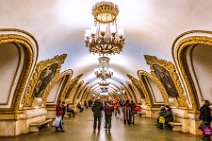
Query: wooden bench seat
x=34 y=126
x=176 y=126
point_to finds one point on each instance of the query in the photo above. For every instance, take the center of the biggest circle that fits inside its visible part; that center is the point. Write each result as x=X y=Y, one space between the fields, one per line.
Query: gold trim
x=132 y=90
x=170 y=68
x=78 y=90
x=157 y=82
x=59 y=59
x=29 y=58
x=74 y=91
x=181 y=49
x=55 y=79
x=139 y=84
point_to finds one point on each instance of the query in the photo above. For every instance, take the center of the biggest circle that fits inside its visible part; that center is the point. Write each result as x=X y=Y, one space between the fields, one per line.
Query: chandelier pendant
x=104 y=37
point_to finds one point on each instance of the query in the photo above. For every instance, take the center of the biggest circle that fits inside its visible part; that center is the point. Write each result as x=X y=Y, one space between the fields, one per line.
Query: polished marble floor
x=80 y=129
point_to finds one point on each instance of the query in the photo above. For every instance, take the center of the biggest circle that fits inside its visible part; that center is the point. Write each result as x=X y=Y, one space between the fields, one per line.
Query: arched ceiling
x=150 y=27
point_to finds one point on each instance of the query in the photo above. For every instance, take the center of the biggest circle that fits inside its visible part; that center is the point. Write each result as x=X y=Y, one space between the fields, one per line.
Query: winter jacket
x=205 y=114
x=168 y=115
x=97 y=109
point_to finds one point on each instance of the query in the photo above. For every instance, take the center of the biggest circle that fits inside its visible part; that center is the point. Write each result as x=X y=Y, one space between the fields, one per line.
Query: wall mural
x=166 y=80
x=44 y=79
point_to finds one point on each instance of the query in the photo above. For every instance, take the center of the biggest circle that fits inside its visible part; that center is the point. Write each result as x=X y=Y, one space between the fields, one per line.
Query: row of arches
x=28 y=85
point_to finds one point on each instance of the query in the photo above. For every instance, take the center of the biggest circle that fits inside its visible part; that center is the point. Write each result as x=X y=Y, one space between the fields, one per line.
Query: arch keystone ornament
x=172 y=83
x=42 y=70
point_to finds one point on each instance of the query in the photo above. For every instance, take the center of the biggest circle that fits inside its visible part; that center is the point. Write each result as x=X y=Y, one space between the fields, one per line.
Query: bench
x=34 y=126
x=141 y=113
x=176 y=126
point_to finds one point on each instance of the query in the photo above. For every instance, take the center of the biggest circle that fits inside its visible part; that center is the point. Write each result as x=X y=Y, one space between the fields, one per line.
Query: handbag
x=57 y=122
x=161 y=119
x=207 y=131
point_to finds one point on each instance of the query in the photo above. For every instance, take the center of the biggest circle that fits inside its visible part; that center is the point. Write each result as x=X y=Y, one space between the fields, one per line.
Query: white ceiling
x=150 y=27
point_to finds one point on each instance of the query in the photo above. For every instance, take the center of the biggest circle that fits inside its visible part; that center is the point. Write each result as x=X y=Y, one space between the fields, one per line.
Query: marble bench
x=34 y=126
x=176 y=126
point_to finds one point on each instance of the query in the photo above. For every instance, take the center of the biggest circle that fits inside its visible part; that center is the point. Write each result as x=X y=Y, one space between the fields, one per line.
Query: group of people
x=127 y=107
x=165 y=116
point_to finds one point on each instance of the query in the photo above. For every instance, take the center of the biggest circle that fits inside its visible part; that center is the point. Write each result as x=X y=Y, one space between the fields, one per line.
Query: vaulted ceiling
x=150 y=26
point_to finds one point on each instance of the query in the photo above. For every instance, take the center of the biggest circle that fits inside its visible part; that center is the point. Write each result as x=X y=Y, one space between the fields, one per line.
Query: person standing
x=97 y=114
x=63 y=111
x=108 y=115
x=205 y=117
x=59 y=112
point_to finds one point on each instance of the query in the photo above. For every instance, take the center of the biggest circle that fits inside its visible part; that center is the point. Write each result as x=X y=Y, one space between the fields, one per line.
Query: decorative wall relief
x=44 y=70
x=163 y=75
x=67 y=75
x=165 y=71
x=27 y=48
x=46 y=75
x=142 y=74
x=182 y=54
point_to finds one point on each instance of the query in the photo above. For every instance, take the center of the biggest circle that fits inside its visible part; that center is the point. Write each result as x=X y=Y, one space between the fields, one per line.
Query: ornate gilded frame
x=59 y=59
x=30 y=46
x=179 y=50
x=170 y=68
x=138 y=83
x=56 y=78
x=142 y=73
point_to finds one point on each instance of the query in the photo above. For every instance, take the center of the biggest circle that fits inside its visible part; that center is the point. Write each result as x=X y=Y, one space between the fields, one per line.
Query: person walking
x=97 y=114
x=205 y=117
x=59 y=112
x=108 y=109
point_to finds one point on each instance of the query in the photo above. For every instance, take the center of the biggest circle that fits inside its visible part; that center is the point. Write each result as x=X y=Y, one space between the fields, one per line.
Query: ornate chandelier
x=104 y=37
x=103 y=73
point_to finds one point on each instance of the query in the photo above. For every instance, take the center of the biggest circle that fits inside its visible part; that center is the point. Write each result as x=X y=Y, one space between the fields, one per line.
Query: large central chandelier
x=104 y=37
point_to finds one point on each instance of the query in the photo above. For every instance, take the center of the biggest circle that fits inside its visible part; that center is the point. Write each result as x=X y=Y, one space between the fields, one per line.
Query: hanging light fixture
x=104 y=37
x=103 y=73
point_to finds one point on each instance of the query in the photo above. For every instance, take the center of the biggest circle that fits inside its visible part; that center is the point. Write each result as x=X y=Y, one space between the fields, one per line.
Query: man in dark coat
x=205 y=116
x=97 y=113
